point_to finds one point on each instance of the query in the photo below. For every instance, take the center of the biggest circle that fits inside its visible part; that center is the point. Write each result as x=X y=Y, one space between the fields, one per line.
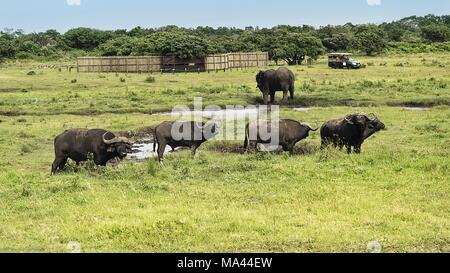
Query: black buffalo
x=350 y=131
x=76 y=144
x=271 y=81
x=183 y=134
x=289 y=131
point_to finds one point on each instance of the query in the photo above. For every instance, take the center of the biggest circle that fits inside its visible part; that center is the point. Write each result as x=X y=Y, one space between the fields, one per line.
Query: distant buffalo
x=76 y=144
x=183 y=134
x=350 y=131
x=271 y=81
x=289 y=133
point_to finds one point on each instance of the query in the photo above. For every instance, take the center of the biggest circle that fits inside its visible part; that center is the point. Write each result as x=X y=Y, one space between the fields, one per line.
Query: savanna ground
x=396 y=192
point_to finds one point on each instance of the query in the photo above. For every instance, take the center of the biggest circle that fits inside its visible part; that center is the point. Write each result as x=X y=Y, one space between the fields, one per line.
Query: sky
x=40 y=15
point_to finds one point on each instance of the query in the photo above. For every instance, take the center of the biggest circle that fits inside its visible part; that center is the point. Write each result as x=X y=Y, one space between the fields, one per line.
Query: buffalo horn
x=347 y=119
x=116 y=140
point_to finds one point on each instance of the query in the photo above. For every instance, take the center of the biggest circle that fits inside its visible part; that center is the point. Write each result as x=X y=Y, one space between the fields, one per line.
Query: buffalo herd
x=350 y=131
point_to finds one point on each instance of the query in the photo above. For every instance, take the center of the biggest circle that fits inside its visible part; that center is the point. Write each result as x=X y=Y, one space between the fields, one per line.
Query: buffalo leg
x=325 y=143
x=255 y=145
x=291 y=91
x=349 y=149
x=59 y=164
x=249 y=144
x=194 y=149
x=291 y=149
x=99 y=161
x=288 y=148
x=62 y=165
x=272 y=98
x=246 y=143
x=54 y=167
x=285 y=95
x=161 y=149
x=266 y=98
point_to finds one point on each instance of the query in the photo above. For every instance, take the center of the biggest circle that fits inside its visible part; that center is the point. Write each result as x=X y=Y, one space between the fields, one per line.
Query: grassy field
x=417 y=80
x=396 y=192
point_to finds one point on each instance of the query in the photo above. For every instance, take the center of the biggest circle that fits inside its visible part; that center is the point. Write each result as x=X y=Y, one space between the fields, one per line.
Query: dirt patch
x=302 y=109
x=11 y=90
x=229 y=148
x=235 y=148
x=416 y=108
x=141 y=135
x=12 y=113
x=420 y=104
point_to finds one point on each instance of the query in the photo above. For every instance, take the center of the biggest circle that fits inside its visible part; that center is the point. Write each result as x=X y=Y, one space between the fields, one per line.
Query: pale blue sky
x=39 y=15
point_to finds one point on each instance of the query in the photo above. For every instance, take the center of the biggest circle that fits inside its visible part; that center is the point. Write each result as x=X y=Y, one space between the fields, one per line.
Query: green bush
x=150 y=79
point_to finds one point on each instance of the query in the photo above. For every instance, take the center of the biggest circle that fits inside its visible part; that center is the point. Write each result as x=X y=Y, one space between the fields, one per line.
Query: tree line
x=284 y=43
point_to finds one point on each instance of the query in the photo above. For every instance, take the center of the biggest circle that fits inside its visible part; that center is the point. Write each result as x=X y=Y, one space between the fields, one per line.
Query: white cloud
x=374 y=2
x=73 y=2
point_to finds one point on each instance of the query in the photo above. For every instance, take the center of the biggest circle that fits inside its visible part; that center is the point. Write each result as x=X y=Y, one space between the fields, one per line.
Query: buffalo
x=289 y=132
x=77 y=144
x=350 y=131
x=183 y=134
x=271 y=81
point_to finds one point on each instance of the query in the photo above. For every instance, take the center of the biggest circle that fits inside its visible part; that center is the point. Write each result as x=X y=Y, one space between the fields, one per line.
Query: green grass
x=418 y=80
x=396 y=192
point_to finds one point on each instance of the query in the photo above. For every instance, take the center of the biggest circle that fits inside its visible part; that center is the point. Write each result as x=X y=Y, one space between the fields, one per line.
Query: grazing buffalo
x=76 y=144
x=289 y=132
x=271 y=81
x=350 y=131
x=182 y=134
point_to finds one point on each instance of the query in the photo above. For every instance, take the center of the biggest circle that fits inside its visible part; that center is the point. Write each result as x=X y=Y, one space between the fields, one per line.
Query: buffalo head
x=360 y=120
x=259 y=80
x=376 y=124
x=118 y=145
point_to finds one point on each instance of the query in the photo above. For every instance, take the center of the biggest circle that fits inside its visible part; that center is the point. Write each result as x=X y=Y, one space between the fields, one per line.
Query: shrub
x=150 y=79
x=25 y=149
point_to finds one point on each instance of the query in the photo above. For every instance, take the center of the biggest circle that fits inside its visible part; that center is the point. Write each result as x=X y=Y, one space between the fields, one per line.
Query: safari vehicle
x=342 y=60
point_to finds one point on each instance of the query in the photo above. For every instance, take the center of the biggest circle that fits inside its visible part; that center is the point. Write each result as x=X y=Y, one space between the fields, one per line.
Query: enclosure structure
x=251 y=59
x=119 y=64
x=138 y=64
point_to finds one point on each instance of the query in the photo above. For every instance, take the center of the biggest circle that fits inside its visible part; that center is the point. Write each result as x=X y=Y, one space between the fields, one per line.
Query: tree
x=436 y=33
x=7 y=49
x=370 y=39
x=140 y=32
x=339 y=42
x=283 y=42
x=120 y=46
x=180 y=44
x=294 y=47
x=86 y=38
